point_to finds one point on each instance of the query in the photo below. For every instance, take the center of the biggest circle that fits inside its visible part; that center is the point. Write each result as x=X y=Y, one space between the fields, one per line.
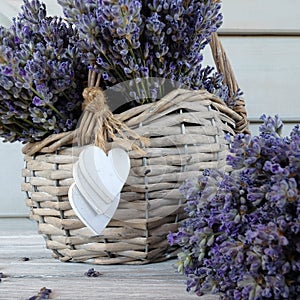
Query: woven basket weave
x=186 y=132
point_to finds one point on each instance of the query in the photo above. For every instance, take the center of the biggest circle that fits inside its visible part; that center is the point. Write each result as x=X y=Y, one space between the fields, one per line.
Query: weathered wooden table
x=19 y=238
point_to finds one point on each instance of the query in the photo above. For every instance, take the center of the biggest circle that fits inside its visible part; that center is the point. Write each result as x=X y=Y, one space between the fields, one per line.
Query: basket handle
x=224 y=67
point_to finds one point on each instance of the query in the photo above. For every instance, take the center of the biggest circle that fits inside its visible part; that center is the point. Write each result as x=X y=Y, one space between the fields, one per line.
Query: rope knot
x=94 y=99
x=99 y=121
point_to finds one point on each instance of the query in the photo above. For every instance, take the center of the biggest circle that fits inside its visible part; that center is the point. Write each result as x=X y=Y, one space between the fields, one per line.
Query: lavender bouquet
x=134 y=40
x=41 y=75
x=242 y=235
x=44 y=60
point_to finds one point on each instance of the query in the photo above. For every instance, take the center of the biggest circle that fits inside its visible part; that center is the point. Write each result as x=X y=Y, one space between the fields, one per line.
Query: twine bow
x=99 y=123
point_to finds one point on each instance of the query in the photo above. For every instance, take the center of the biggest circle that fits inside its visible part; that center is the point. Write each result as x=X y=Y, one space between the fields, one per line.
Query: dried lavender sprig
x=41 y=75
x=158 y=39
x=92 y=273
x=241 y=238
x=44 y=293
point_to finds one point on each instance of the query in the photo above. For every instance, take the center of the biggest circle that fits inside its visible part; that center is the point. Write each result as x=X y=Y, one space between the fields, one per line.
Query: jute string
x=99 y=121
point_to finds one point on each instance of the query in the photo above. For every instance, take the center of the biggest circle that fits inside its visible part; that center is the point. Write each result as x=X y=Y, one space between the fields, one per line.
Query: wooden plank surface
x=24 y=279
x=268 y=71
x=258 y=16
x=10 y=9
x=252 y=16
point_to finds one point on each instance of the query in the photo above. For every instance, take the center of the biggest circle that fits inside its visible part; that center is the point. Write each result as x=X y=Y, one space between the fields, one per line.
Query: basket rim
x=55 y=141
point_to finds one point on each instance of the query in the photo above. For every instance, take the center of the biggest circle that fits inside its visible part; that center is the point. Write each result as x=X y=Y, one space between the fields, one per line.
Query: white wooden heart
x=94 y=221
x=99 y=179
x=98 y=200
x=107 y=172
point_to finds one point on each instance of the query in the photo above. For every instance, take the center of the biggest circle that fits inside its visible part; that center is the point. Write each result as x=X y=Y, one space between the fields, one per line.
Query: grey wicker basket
x=186 y=132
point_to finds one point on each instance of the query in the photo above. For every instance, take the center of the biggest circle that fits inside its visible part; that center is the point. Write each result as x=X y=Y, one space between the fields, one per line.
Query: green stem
x=10 y=129
x=48 y=104
x=66 y=96
x=27 y=121
x=106 y=58
x=15 y=122
x=142 y=82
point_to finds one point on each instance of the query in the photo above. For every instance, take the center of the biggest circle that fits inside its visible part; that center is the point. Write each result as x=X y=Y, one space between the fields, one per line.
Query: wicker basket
x=186 y=131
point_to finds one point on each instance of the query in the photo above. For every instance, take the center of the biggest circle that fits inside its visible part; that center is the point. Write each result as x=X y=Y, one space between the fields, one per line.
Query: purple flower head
x=47 y=73
x=167 y=37
x=7 y=71
x=252 y=247
x=37 y=101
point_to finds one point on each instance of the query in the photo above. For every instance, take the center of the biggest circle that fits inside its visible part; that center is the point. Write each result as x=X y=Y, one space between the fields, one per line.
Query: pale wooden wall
x=262 y=40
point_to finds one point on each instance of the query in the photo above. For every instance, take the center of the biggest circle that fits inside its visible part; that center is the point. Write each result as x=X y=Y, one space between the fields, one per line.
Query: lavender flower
x=92 y=273
x=41 y=76
x=44 y=293
x=1 y=276
x=134 y=39
x=44 y=60
x=241 y=238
